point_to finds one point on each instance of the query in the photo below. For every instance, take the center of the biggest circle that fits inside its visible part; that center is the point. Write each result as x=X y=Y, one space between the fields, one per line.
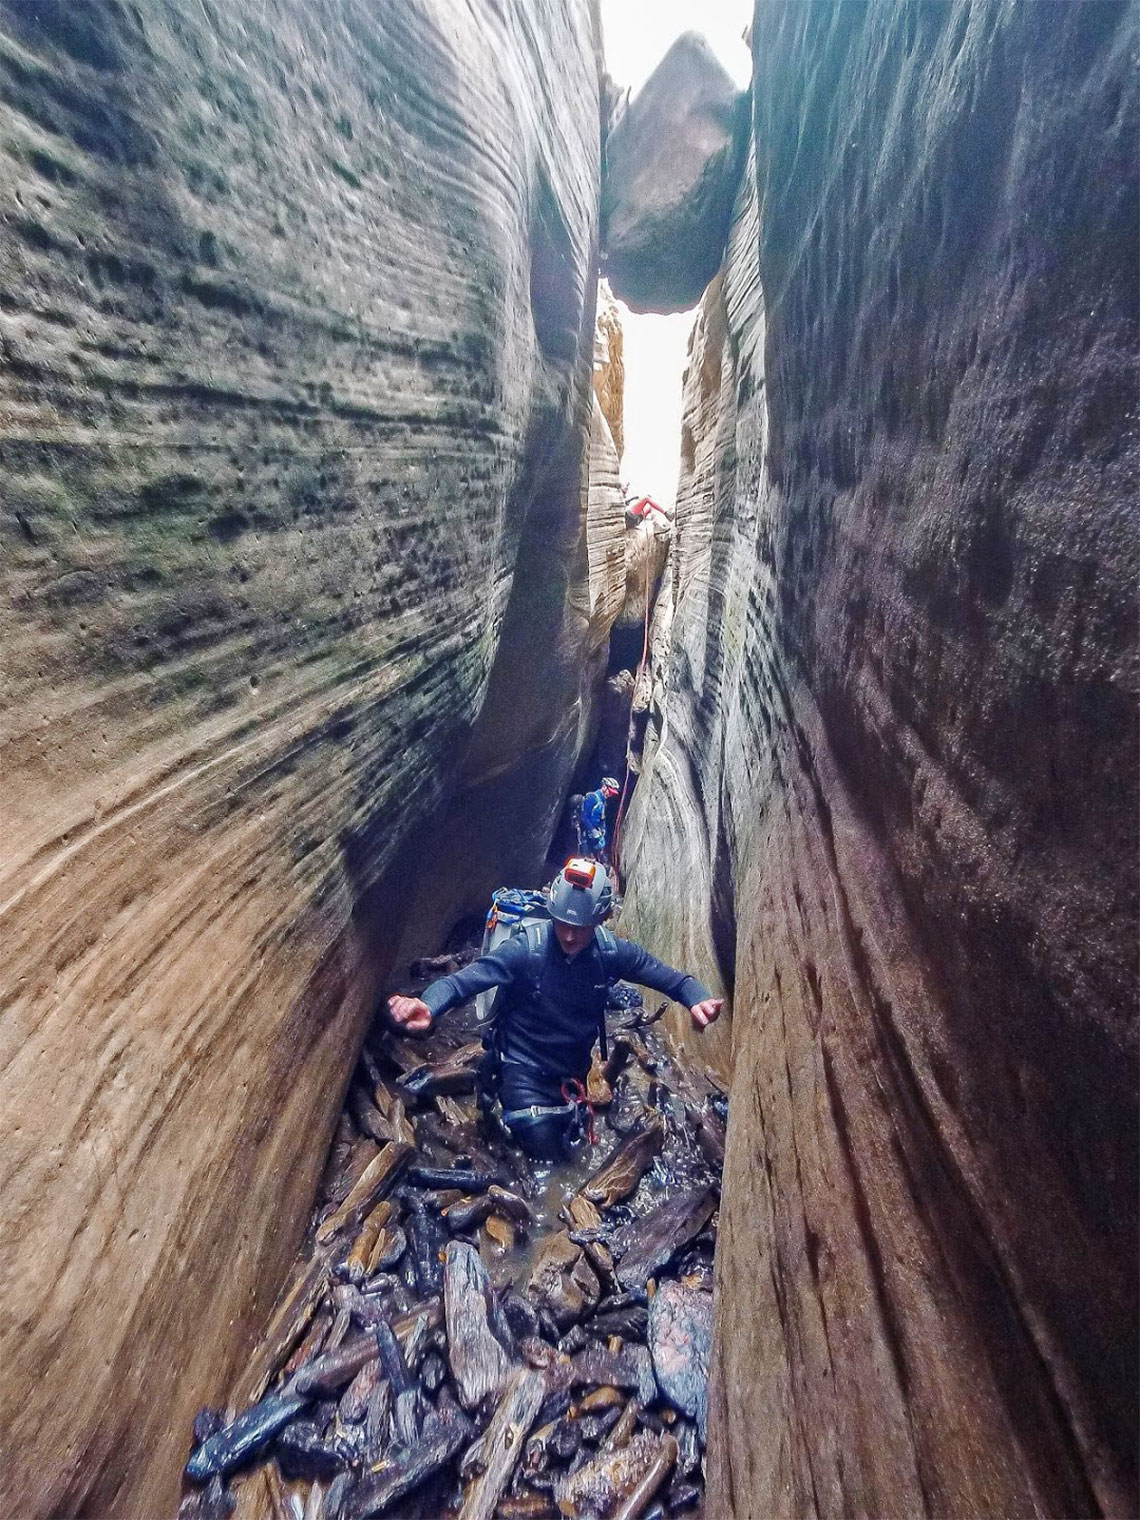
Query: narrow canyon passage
x=321 y=600
x=468 y=1332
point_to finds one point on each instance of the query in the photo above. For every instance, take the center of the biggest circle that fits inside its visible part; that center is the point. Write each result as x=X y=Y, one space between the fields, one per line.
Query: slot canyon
x=321 y=598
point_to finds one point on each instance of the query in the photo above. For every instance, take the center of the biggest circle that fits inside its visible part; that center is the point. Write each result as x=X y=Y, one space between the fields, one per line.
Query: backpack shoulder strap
x=606 y=943
x=537 y=935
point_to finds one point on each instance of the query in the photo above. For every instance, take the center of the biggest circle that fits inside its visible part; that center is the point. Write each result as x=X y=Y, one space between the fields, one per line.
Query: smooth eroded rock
x=296 y=336
x=890 y=790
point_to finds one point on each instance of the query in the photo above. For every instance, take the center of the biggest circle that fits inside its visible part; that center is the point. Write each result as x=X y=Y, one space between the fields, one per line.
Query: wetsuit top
x=554 y=1028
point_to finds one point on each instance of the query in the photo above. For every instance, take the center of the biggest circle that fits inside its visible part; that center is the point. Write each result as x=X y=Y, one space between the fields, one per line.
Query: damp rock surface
x=890 y=788
x=295 y=345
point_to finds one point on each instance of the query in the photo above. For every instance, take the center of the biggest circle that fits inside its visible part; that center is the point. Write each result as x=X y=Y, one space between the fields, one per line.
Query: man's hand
x=412 y=1014
x=706 y=1013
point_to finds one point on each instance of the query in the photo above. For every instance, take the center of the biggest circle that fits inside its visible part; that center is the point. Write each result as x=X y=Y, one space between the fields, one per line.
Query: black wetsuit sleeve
x=634 y=964
x=502 y=966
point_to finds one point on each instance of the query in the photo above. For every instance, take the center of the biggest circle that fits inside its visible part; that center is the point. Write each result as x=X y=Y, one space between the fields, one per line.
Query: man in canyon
x=592 y=819
x=555 y=978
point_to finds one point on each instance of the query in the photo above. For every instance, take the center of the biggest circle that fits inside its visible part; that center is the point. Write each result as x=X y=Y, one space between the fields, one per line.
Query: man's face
x=571 y=937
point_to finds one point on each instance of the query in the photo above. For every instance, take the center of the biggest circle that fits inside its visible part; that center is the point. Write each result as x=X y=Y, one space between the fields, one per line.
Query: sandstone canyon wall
x=296 y=325
x=890 y=797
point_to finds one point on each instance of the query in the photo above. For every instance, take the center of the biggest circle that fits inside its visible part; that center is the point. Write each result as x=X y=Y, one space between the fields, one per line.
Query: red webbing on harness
x=574 y=1092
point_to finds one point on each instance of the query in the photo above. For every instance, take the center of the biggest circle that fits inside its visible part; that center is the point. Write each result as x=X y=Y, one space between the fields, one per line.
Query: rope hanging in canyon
x=616 y=853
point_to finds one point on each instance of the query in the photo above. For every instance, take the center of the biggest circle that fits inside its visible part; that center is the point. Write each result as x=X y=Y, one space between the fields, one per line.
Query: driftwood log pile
x=471 y=1336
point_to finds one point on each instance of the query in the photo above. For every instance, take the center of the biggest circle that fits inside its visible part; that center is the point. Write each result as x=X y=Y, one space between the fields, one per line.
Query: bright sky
x=637 y=36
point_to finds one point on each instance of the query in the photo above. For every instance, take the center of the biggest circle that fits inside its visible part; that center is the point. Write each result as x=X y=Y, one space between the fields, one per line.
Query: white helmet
x=581 y=893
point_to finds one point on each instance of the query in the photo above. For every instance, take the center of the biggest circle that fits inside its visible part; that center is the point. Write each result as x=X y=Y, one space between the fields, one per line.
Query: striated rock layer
x=609 y=365
x=296 y=326
x=891 y=741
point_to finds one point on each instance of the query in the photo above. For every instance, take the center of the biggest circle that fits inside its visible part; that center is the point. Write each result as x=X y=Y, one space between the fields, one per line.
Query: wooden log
x=595 y=1426
x=457 y=1114
x=360 y=1157
x=356 y=1263
x=314 y=1342
x=426 y=1236
x=581 y=1214
x=250 y=1496
x=479 y=1365
x=367 y=1117
x=405 y=1054
x=330 y=1371
x=303 y=1452
x=688 y=1447
x=429 y=967
x=315 y=1504
x=502 y=1444
x=340 y=1149
x=245 y=1436
x=467 y=1213
x=408 y=1416
x=599 y=1091
x=626 y=1167
x=391 y=1108
x=405 y=1471
x=287 y=1324
x=631 y=1367
x=392 y=1360
x=424 y=1318
x=340 y=1328
x=463 y=1177
x=413 y=1338
x=377 y=1419
x=376 y=1179
x=391 y=1243
x=601 y=1486
x=511 y=1205
x=209 y=1503
x=637 y=1502
x=623 y=1431
x=526 y=1506
x=630 y=1321
x=647 y=1244
x=354 y=1403
x=456 y=1073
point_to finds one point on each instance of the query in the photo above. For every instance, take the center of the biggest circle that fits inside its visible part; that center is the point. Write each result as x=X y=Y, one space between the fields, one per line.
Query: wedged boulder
x=892 y=791
x=671 y=167
x=296 y=341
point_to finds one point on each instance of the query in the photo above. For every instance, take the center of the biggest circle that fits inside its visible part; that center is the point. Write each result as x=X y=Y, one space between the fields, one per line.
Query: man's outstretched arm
x=636 y=964
x=494 y=970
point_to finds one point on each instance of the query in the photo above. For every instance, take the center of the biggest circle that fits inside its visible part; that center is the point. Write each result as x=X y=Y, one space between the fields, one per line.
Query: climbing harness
x=575 y=1094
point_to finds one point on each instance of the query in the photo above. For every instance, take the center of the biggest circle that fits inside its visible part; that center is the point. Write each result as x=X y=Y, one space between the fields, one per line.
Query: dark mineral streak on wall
x=890 y=790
